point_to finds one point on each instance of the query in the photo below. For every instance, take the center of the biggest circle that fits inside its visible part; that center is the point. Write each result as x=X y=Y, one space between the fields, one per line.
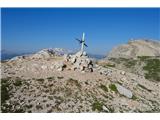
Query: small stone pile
x=80 y=61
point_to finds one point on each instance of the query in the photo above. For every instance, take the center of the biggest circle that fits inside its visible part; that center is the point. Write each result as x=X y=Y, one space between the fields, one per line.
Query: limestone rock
x=80 y=61
x=123 y=91
x=122 y=72
x=59 y=66
x=105 y=108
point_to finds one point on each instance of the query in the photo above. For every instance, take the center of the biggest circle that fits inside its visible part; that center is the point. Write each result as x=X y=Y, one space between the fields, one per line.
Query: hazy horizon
x=32 y=29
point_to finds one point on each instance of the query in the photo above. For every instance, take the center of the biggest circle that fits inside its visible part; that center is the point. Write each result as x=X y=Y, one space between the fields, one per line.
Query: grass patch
x=60 y=77
x=50 y=97
x=149 y=64
x=4 y=90
x=103 y=87
x=97 y=106
x=152 y=69
x=17 y=82
x=40 y=80
x=143 y=58
x=130 y=63
x=134 y=97
x=113 y=87
x=73 y=82
x=118 y=60
x=126 y=62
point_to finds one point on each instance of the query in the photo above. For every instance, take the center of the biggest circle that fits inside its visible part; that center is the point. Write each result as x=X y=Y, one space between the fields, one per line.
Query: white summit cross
x=82 y=42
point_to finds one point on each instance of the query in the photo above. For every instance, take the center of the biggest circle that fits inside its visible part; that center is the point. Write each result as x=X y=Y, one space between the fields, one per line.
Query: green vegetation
x=126 y=62
x=118 y=60
x=97 y=106
x=73 y=82
x=18 y=82
x=113 y=87
x=103 y=87
x=50 y=97
x=150 y=64
x=134 y=97
x=40 y=80
x=152 y=69
x=4 y=90
x=60 y=77
x=130 y=63
x=143 y=58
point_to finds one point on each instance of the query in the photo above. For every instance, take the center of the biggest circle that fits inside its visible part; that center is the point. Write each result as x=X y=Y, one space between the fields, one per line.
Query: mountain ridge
x=134 y=48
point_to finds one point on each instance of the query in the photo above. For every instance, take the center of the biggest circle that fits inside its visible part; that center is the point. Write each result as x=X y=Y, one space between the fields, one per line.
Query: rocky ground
x=45 y=82
x=147 y=66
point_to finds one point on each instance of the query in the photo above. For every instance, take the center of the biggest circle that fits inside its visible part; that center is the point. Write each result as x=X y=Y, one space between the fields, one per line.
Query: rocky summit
x=49 y=81
x=134 y=48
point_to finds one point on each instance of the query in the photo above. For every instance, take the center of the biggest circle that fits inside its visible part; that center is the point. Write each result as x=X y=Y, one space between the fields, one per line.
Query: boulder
x=105 y=108
x=122 y=72
x=59 y=66
x=123 y=91
x=60 y=69
x=73 y=60
x=79 y=54
x=66 y=57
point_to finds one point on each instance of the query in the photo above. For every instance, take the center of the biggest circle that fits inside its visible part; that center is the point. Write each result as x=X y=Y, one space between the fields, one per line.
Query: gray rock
x=60 y=69
x=79 y=54
x=59 y=66
x=66 y=57
x=105 y=108
x=122 y=72
x=123 y=91
x=73 y=60
x=84 y=53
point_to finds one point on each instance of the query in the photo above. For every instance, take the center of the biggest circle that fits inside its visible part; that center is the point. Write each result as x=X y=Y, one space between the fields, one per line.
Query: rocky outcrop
x=136 y=48
x=48 y=53
x=80 y=61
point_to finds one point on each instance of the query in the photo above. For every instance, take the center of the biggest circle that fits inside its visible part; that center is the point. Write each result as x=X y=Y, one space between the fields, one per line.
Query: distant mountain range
x=8 y=54
x=5 y=54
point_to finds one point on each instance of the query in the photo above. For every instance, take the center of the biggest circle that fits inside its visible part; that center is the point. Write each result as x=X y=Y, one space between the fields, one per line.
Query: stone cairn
x=80 y=61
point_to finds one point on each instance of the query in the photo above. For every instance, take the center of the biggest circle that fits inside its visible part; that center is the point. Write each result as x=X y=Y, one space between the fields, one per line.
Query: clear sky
x=32 y=29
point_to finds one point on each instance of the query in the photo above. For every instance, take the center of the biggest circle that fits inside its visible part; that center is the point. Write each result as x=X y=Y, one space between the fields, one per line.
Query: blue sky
x=32 y=29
